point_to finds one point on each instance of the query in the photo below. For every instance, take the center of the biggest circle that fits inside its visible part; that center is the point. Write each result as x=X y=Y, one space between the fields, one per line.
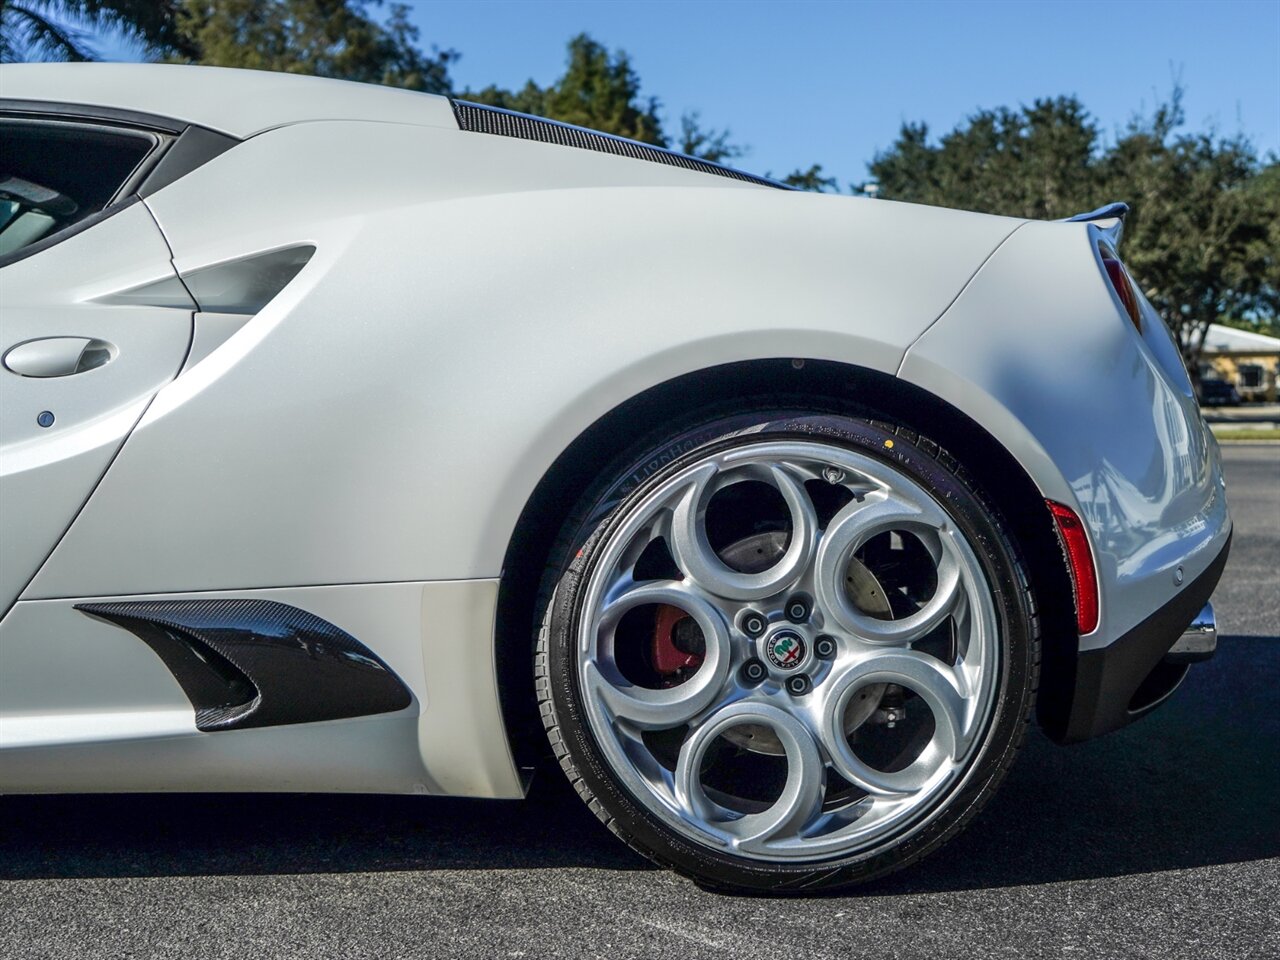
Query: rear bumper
x=1130 y=677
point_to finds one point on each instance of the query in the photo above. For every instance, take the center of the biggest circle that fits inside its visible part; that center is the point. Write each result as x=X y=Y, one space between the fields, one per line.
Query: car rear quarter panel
x=1037 y=350
x=474 y=304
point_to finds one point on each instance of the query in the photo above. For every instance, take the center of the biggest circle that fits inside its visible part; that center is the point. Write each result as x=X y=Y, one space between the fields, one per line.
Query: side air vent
x=258 y=663
x=242 y=286
x=477 y=118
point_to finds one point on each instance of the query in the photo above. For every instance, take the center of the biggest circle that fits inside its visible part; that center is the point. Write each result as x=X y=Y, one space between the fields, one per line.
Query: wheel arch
x=851 y=389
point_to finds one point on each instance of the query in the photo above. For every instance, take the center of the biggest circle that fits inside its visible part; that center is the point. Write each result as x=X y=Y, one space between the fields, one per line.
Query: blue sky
x=831 y=82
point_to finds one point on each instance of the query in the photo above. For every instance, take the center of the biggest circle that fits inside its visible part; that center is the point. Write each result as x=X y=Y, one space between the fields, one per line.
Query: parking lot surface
x=1162 y=840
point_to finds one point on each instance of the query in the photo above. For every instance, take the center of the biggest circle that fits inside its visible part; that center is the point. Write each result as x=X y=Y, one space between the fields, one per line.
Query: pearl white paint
x=363 y=445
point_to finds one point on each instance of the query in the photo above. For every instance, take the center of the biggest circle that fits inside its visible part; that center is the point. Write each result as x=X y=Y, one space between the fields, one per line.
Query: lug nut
x=753 y=624
x=753 y=671
x=797 y=609
x=799 y=685
x=825 y=648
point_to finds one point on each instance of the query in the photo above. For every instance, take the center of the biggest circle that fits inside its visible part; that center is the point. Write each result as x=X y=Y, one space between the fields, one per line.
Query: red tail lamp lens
x=1084 y=580
x=1123 y=287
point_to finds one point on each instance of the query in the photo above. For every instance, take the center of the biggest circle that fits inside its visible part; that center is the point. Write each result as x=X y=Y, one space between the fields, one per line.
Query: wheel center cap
x=785 y=649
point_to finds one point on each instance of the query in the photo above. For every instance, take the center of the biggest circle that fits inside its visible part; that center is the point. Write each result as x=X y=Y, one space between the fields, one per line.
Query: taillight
x=1122 y=284
x=1084 y=580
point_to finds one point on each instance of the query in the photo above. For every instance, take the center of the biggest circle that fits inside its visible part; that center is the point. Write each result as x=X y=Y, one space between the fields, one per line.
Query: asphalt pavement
x=1162 y=840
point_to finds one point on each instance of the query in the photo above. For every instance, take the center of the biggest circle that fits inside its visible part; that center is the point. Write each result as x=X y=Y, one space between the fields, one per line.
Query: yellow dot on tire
x=889 y=444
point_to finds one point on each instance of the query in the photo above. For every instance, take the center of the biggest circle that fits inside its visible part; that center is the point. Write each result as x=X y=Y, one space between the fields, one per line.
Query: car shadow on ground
x=1194 y=784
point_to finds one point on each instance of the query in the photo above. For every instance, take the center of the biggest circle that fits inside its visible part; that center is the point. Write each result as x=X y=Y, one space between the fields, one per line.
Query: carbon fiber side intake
x=258 y=663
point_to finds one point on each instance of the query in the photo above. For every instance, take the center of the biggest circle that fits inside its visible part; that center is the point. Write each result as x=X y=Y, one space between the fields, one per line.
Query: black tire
x=629 y=478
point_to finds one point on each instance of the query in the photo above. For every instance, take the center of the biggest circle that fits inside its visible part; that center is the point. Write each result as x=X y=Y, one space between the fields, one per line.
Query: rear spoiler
x=1114 y=212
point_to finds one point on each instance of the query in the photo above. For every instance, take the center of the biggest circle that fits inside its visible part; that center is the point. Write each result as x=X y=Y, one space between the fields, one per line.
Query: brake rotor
x=756 y=553
x=865 y=592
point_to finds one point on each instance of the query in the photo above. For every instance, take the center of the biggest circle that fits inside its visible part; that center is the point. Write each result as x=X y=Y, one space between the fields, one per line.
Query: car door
x=81 y=356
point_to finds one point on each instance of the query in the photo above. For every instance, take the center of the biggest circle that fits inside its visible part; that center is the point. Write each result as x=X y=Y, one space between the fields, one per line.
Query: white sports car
x=363 y=440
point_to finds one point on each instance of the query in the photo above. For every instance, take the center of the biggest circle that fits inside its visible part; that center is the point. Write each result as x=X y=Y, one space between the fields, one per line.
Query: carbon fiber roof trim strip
x=478 y=118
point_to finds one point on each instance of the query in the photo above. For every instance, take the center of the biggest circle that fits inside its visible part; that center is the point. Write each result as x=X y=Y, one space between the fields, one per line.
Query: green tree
x=1034 y=162
x=602 y=91
x=1201 y=239
x=530 y=98
x=55 y=29
x=326 y=38
x=811 y=180
x=707 y=144
x=599 y=89
x=1267 y=326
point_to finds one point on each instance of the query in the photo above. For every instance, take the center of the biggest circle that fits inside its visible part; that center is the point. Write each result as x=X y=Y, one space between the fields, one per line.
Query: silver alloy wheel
x=832 y=800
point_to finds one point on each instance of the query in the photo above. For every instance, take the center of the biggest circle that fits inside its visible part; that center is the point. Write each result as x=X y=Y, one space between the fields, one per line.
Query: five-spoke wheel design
x=787 y=650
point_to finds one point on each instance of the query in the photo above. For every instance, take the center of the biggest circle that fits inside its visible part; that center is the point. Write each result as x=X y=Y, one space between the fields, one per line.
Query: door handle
x=58 y=356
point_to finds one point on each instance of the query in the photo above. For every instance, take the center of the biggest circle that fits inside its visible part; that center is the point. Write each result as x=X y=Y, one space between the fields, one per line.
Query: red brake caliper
x=673 y=656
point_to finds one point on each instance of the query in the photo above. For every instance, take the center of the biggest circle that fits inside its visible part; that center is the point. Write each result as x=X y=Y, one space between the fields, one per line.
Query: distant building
x=1250 y=361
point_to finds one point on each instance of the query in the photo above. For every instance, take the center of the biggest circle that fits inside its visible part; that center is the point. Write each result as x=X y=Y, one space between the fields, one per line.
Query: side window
x=54 y=174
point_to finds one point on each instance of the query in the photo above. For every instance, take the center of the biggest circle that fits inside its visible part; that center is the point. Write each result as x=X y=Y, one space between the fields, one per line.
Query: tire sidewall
x=982 y=527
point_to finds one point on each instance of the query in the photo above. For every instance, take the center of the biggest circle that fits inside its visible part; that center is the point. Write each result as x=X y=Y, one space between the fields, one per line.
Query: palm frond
x=26 y=33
